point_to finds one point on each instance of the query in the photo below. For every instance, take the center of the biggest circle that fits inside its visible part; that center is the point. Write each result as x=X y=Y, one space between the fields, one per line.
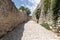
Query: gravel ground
x=30 y=31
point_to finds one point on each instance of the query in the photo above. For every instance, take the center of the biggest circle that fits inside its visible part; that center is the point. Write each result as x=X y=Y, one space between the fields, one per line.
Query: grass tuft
x=45 y=25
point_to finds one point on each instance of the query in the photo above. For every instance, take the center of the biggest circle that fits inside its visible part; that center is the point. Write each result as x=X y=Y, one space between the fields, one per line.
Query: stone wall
x=10 y=16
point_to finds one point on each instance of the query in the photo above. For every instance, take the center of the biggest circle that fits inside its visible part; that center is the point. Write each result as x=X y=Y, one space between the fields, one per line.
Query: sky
x=31 y=4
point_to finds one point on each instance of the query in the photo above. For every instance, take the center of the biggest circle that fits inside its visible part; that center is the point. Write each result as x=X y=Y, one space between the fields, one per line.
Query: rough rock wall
x=44 y=17
x=10 y=17
x=34 y=17
x=45 y=12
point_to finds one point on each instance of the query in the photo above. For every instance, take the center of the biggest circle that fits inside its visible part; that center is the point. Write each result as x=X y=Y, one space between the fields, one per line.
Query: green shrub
x=45 y=25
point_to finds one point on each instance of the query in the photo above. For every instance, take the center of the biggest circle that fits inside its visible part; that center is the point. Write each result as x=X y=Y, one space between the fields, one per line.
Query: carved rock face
x=9 y=16
x=47 y=18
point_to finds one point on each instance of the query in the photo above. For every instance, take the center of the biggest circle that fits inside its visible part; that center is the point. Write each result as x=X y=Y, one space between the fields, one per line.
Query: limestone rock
x=46 y=17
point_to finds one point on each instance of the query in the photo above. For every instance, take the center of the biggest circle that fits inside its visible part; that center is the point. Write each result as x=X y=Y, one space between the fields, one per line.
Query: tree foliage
x=27 y=10
x=22 y=8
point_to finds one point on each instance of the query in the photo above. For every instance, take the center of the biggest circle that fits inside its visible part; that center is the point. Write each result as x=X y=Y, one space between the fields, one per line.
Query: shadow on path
x=16 y=34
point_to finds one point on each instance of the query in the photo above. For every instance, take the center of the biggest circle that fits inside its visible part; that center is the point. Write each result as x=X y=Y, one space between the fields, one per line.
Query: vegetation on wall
x=37 y=14
x=55 y=9
x=51 y=8
x=46 y=4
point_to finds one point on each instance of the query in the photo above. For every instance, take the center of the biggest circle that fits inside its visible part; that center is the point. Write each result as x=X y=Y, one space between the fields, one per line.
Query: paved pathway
x=30 y=31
